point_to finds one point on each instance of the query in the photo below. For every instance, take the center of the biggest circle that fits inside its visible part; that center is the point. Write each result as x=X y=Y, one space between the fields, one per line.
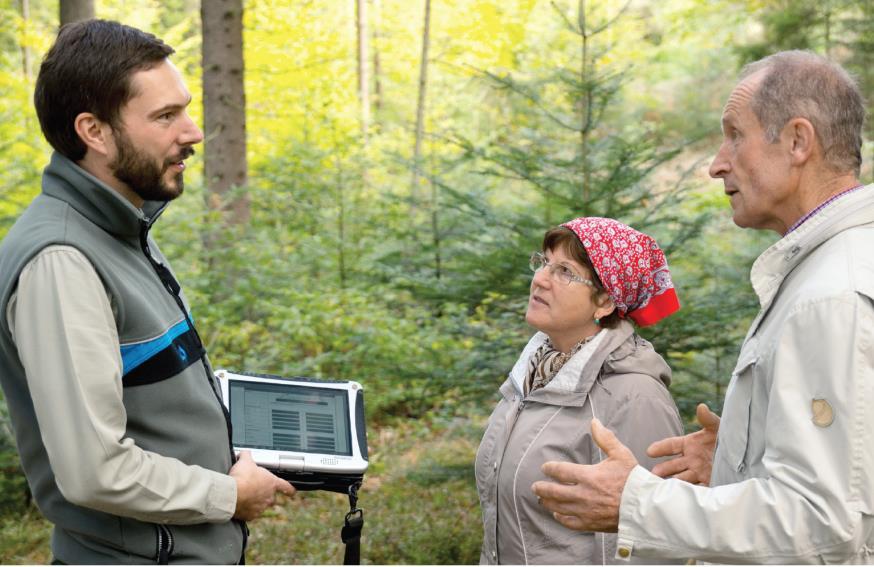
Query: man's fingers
x=688 y=476
x=563 y=472
x=571 y=522
x=285 y=487
x=608 y=442
x=666 y=447
x=245 y=455
x=566 y=506
x=670 y=468
x=706 y=418
x=551 y=491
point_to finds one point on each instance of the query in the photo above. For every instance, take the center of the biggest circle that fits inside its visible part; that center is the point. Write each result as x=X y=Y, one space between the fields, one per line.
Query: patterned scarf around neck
x=547 y=361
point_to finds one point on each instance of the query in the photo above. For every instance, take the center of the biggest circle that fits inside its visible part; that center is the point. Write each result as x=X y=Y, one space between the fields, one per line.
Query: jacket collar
x=572 y=383
x=774 y=264
x=99 y=203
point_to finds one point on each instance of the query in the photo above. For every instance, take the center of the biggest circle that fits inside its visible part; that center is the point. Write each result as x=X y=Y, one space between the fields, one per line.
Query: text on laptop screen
x=285 y=417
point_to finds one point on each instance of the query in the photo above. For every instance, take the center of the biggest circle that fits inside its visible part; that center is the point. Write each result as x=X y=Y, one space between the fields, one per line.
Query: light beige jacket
x=793 y=473
x=620 y=380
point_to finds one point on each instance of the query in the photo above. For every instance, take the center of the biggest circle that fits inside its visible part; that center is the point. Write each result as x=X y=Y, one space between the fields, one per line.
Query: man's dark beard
x=140 y=172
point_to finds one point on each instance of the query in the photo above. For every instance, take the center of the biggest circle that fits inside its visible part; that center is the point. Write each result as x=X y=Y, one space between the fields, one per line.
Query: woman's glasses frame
x=558 y=272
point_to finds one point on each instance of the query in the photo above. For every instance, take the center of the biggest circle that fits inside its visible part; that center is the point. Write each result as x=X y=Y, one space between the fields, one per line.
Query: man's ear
x=802 y=140
x=94 y=133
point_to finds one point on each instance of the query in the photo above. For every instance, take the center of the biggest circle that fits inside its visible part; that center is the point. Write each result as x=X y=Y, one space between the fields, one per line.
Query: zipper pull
x=520 y=407
x=165 y=545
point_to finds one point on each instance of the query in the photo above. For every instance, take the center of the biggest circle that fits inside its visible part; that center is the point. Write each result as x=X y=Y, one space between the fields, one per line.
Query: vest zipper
x=174 y=289
x=165 y=544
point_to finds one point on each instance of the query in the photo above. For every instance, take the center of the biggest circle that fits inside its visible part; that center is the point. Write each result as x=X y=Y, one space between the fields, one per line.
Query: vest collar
x=95 y=200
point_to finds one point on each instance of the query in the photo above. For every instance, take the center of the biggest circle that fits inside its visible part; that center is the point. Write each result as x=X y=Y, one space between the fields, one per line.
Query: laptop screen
x=286 y=417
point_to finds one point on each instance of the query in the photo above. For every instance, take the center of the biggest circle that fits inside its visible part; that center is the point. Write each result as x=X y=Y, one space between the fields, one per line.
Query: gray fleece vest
x=170 y=396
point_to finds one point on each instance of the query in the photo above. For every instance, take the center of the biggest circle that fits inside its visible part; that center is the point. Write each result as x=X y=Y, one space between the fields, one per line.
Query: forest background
x=395 y=163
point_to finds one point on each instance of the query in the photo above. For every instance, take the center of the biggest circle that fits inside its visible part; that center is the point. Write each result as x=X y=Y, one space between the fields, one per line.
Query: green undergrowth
x=24 y=538
x=419 y=501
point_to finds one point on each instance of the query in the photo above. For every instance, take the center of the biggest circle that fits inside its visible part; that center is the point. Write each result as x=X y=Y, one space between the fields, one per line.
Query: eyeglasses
x=558 y=272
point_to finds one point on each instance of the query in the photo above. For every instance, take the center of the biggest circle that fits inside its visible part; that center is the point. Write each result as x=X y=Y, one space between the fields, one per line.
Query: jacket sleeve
x=812 y=503
x=63 y=327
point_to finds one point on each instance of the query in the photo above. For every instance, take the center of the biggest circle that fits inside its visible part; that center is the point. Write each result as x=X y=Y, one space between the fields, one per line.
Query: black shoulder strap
x=351 y=532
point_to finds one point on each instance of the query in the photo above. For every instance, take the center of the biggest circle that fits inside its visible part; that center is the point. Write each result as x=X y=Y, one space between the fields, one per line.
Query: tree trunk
x=341 y=218
x=585 y=108
x=377 y=67
x=867 y=82
x=435 y=221
x=75 y=10
x=26 y=60
x=828 y=28
x=363 y=76
x=224 y=109
x=420 y=107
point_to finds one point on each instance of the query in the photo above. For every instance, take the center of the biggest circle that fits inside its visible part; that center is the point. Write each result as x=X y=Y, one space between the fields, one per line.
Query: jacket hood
x=618 y=351
x=774 y=264
x=636 y=355
x=64 y=179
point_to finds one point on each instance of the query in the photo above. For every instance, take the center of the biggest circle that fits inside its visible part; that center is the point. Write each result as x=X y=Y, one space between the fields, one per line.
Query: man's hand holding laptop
x=256 y=487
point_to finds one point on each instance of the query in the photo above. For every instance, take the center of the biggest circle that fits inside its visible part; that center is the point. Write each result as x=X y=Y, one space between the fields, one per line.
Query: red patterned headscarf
x=631 y=266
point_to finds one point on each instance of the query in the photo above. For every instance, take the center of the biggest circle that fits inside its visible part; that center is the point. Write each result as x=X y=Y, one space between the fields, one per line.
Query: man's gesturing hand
x=588 y=497
x=256 y=487
x=693 y=453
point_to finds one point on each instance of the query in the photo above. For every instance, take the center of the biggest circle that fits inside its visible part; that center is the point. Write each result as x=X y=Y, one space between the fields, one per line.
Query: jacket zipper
x=498 y=467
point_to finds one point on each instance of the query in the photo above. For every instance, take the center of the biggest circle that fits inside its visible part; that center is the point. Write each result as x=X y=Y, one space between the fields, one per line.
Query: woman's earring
x=598 y=321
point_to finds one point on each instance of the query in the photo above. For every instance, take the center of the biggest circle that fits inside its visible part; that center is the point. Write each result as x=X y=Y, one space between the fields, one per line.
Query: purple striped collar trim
x=821 y=206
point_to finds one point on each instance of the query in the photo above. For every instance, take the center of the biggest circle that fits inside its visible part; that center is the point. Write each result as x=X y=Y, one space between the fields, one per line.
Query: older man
x=793 y=472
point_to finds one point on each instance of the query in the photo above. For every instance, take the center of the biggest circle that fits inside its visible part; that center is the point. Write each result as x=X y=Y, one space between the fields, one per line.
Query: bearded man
x=118 y=417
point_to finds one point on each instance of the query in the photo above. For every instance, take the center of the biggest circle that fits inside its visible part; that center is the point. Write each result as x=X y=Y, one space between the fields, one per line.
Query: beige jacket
x=619 y=379
x=793 y=473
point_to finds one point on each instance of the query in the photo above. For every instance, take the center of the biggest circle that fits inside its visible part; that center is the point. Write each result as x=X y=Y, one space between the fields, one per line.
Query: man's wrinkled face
x=754 y=171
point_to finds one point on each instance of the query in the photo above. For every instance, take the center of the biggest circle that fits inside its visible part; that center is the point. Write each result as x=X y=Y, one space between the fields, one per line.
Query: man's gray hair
x=801 y=84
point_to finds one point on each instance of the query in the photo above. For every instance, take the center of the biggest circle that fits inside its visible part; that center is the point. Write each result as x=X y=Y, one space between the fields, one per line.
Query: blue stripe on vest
x=162 y=358
x=134 y=355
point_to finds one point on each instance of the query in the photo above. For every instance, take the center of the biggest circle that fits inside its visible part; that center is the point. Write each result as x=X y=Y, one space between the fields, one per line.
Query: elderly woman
x=586 y=361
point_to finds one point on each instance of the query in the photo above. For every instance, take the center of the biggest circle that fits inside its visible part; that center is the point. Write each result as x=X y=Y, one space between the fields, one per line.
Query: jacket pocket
x=733 y=439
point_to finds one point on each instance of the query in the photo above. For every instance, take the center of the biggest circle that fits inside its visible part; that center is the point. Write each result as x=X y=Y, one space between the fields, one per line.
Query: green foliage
x=14 y=492
x=565 y=150
x=263 y=313
x=24 y=538
x=419 y=505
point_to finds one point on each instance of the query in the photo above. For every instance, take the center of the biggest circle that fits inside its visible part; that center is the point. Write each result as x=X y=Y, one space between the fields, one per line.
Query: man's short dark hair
x=89 y=69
